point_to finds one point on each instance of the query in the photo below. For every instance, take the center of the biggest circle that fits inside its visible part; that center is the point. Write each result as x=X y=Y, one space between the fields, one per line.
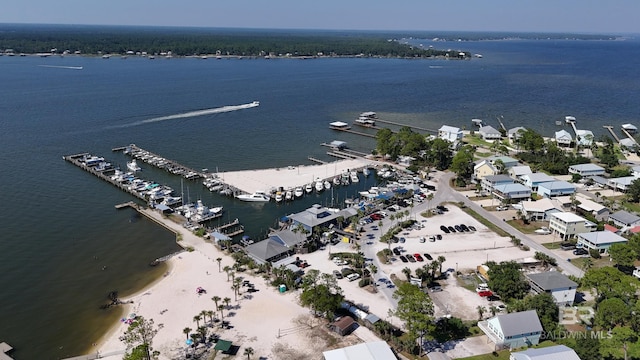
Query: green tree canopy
x=622 y=254
x=321 y=293
x=609 y=282
x=462 y=163
x=506 y=280
x=415 y=309
x=612 y=312
x=139 y=338
x=544 y=305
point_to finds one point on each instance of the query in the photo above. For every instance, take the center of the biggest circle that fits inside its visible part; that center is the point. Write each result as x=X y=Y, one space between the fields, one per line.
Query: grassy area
x=480 y=155
x=552 y=245
x=476 y=140
x=529 y=228
x=505 y=354
x=595 y=263
x=631 y=207
x=485 y=222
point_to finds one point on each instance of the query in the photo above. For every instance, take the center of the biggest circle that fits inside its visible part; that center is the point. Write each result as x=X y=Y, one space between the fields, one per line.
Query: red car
x=418 y=257
x=485 y=293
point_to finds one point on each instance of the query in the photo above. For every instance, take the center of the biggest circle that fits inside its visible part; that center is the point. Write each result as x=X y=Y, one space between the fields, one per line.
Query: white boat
x=336 y=181
x=366 y=171
x=319 y=185
x=255 y=103
x=354 y=177
x=298 y=192
x=279 y=196
x=258 y=196
x=133 y=165
x=288 y=195
x=171 y=200
x=308 y=188
x=327 y=185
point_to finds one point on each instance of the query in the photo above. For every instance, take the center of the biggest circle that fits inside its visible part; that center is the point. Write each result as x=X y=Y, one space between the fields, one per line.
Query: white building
x=515 y=133
x=568 y=225
x=518 y=171
x=563 y=138
x=621 y=183
x=586 y=169
x=584 y=137
x=513 y=330
x=587 y=206
x=555 y=188
x=555 y=284
x=534 y=179
x=376 y=350
x=450 y=133
x=599 y=240
x=539 y=210
x=557 y=352
x=488 y=132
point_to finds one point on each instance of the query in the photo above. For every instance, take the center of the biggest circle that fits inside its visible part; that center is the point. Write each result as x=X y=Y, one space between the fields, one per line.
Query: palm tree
x=235 y=288
x=197 y=319
x=227 y=269
x=441 y=260
x=203 y=333
x=216 y=299
x=429 y=198
x=481 y=311
x=493 y=310
x=227 y=301
x=210 y=315
x=248 y=351
x=219 y=260
x=221 y=308
x=186 y=331
x=407 y=272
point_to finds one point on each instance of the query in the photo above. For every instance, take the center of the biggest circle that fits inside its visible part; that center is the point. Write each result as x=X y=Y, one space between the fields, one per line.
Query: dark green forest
x=31 y=39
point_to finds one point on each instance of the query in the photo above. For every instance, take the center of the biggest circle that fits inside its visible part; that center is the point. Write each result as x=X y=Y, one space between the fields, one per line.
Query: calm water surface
x=64 y=246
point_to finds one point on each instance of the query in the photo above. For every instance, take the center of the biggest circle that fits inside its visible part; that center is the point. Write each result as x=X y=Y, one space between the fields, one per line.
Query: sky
x=577 y=16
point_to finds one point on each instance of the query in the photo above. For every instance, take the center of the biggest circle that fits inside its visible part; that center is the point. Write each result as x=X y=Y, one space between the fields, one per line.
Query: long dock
x=101 y=174
x=160 y=162
x=610 y=128
x=355 y=132
x=405 y=125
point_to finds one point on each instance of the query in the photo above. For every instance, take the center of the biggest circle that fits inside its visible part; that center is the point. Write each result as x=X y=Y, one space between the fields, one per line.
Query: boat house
x=339 y=125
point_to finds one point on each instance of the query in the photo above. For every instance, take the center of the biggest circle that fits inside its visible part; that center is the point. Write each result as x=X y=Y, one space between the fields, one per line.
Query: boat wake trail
x=196 y=113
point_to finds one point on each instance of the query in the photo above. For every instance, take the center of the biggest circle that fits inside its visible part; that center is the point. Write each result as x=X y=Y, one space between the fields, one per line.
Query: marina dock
x=160 y=162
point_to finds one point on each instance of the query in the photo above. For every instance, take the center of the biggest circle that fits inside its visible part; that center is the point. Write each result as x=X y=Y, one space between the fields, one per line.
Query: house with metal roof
x=276 y=246
x=628 y=143
x=488 y=132
x=511 y=192
x=559 y=286
x=375 y=350
x=624 y=219
x=599 y=240
x=489 y=182
x=450 y=133
x=513 y=330
x=318 y=215
x=484 y=168
x=540 y=209
x=621 y=183
x=568 y=225
x=584 y=137
x=515 y=133
x=563 y=138
x=507 y=161
x=557 y=352
x=518 y=171
x=534 y=179
x=555 y=188
x=588 y=206
x=586 y=169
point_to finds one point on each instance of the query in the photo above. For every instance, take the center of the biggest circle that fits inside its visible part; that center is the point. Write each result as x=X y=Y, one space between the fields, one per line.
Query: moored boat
x=298 y=192
x=327 y=185
x=258 y=196
x=279 y=196
x=133 y=165
x=319 y=185
x=308 y=188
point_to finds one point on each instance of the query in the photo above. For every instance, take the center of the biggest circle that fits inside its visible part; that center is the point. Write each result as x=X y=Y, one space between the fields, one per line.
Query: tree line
x=195 y=41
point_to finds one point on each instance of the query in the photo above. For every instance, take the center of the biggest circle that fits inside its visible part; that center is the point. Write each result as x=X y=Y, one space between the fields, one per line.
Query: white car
x=543 y=231
x=353 y=277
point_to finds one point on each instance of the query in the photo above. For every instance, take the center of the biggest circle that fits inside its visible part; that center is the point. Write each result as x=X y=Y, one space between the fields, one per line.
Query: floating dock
x=160 y=162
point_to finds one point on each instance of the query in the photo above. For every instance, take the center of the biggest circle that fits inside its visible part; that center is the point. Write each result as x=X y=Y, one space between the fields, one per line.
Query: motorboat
x=279 y=197
x=133 y=165
x=258 y=196
x=288 y=195
x=298 y=192
x=308 y=188
x=354 y=177
x=319 y=185
x=366 y=171
x=336 y=181
x=327 y=185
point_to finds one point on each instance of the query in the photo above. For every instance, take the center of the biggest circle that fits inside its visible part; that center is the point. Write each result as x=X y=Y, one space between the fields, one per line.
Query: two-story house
x=513 y=330
x=568 y=225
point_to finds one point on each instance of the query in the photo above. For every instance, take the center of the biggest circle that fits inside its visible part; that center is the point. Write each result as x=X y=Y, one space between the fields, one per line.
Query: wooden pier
x=355 y=132
x=610 y=128
x=160 y=162
x=316 y=160
x=228 y=230
x=409 y=126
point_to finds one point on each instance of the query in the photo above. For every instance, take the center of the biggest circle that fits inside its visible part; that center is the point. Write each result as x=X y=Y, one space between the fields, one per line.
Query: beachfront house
x=489 y=182
x=629 y=144
x=515 y=133
x=534 y=179
x=539 y=210
x=488 y=132
x=374 y=350
x=450 y=133
x=635 y=171
x=599 y=240
x=555 y=188
x=511 y=192
x=516 y=172
x=563 y=138
x=584 y=137
x=483 y=169
x=556 y=352
x=624 y=219
x=559 y=286
x=568 y=225
x=513 y=330
x=277 y=246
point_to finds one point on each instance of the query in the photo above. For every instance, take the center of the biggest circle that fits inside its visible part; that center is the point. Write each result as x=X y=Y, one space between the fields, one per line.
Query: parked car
x=403 y=259
x=444 y=228
x=436 y=288
x=567 y=246
x=337 y=274
x=429 y=257
x=403 y=240
x=396 y=251
x=353 y=277
x=472 y=228
x=464 y=228
x=485 y=293
x=418 y=257
x=451 y=229
x=422 y=239
x=580 y=251
x=458 y=228
x=410 y=258
x=438 y=237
